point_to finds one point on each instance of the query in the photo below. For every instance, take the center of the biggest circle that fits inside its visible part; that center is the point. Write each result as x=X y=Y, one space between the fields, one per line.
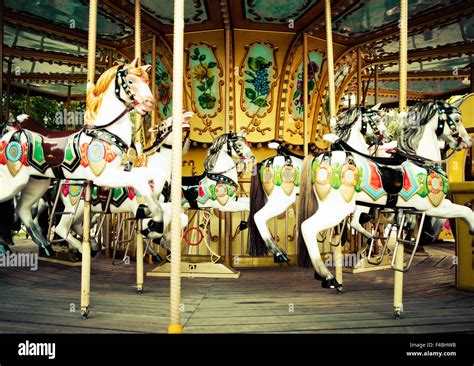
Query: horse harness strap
x=219 y=178
x=108 y=137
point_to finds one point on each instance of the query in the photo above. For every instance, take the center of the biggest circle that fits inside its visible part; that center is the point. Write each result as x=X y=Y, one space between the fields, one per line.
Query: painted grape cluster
x=298 y=97
x=260 y=85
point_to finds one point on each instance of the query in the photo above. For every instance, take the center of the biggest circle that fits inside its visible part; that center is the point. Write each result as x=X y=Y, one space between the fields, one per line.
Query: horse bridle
x=121 y=84
x=367 y=119
x=443 y=118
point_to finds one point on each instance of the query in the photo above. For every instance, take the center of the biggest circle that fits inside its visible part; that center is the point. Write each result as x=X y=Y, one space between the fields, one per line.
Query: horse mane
x=345 y=120
x=413 y=128
x=96 y=93
x=214 y=151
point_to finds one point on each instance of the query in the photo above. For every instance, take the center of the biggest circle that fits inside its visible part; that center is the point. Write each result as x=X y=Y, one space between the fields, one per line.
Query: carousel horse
x=334 y=182
x=276 y=184
x=94 y=153
x=125 y=199
x=218 y=186
x=432 y=226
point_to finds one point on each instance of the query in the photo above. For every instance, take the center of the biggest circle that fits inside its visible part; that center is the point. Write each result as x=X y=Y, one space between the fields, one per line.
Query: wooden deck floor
x=285 y=299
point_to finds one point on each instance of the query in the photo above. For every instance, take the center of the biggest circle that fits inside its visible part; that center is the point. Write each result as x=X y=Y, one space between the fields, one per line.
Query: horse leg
x=274 y=207
x=355 y=222
x=327 y=216
x=448 y=210
x=139 y=181
x=67 y=221
x=29 y=195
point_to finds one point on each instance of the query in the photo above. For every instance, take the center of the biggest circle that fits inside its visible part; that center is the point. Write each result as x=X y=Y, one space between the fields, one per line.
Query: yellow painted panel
x=263 y=128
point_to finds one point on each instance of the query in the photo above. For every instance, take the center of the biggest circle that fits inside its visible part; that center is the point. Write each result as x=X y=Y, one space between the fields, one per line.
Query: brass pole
x=92 y=43
x=86 y=245
x=154 y=122
x=138 y=139
x=376 y=86
x=305 y=93
x=359 y=77
x=9 y=78
x=175 y=276
x=140 y=135
x=398 y=280
x=228 y=40
x=332 y=113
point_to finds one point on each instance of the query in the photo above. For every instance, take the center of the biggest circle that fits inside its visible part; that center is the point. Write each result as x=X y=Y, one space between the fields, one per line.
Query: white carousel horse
x=94 y=153
x=125 y=199
x=333 y=183
x=218 y=186
x=275 y=185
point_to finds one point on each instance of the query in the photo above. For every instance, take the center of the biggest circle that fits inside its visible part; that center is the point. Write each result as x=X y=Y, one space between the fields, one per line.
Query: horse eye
x=130 y=82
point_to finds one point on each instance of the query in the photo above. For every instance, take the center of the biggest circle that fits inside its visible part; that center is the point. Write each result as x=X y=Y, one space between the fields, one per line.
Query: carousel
x=260 y=166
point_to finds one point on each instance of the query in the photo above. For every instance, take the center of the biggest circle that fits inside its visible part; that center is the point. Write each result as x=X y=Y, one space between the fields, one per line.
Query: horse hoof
x=397 y=314
x=85 y=313
x=331 y=283
x=140 y=290
x=471 y=232
x=281 y=257
x=157 y=259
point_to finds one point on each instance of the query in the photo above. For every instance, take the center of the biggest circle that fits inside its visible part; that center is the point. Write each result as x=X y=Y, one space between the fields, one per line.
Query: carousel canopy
x=45 y=42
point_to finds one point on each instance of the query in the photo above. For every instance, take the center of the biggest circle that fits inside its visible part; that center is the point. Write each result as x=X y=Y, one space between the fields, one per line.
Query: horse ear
x=376 y=107
x=146 y=68
x=134 y=63
x=153 y=129
x=242 y=133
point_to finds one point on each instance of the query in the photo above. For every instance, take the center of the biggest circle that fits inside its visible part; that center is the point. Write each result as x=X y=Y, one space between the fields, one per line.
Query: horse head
x=450 y=128
x=164 y=129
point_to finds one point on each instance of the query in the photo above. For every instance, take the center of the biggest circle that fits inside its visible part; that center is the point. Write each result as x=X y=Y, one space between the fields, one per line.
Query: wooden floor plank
x=263 y=300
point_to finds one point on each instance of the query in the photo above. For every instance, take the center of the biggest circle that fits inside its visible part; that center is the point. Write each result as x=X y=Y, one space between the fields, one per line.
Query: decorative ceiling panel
x=276 y=11
x=72 y=14
x=195 y=11
x=367 y=16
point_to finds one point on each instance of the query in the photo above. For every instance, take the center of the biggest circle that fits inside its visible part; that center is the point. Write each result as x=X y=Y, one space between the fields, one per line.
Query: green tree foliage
x=42 y=109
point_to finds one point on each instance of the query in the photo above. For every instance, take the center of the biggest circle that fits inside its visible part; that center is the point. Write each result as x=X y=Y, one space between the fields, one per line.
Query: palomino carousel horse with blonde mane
x=333 y=183
x=275 y=185
x=93 y=153
x=124 y=199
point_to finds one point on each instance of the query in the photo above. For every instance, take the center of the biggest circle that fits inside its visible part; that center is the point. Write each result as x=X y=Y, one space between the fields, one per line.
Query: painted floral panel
x=314 y=69
x=204 y=70
x=258 y=75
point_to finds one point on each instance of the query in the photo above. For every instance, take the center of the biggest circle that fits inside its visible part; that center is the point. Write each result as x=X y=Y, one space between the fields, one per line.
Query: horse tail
x=256 y=246
x=308 y=205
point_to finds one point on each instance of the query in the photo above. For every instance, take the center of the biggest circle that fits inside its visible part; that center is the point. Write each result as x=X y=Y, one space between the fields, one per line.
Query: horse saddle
x=388 y=169
x=192 y=180
x=54 y=143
